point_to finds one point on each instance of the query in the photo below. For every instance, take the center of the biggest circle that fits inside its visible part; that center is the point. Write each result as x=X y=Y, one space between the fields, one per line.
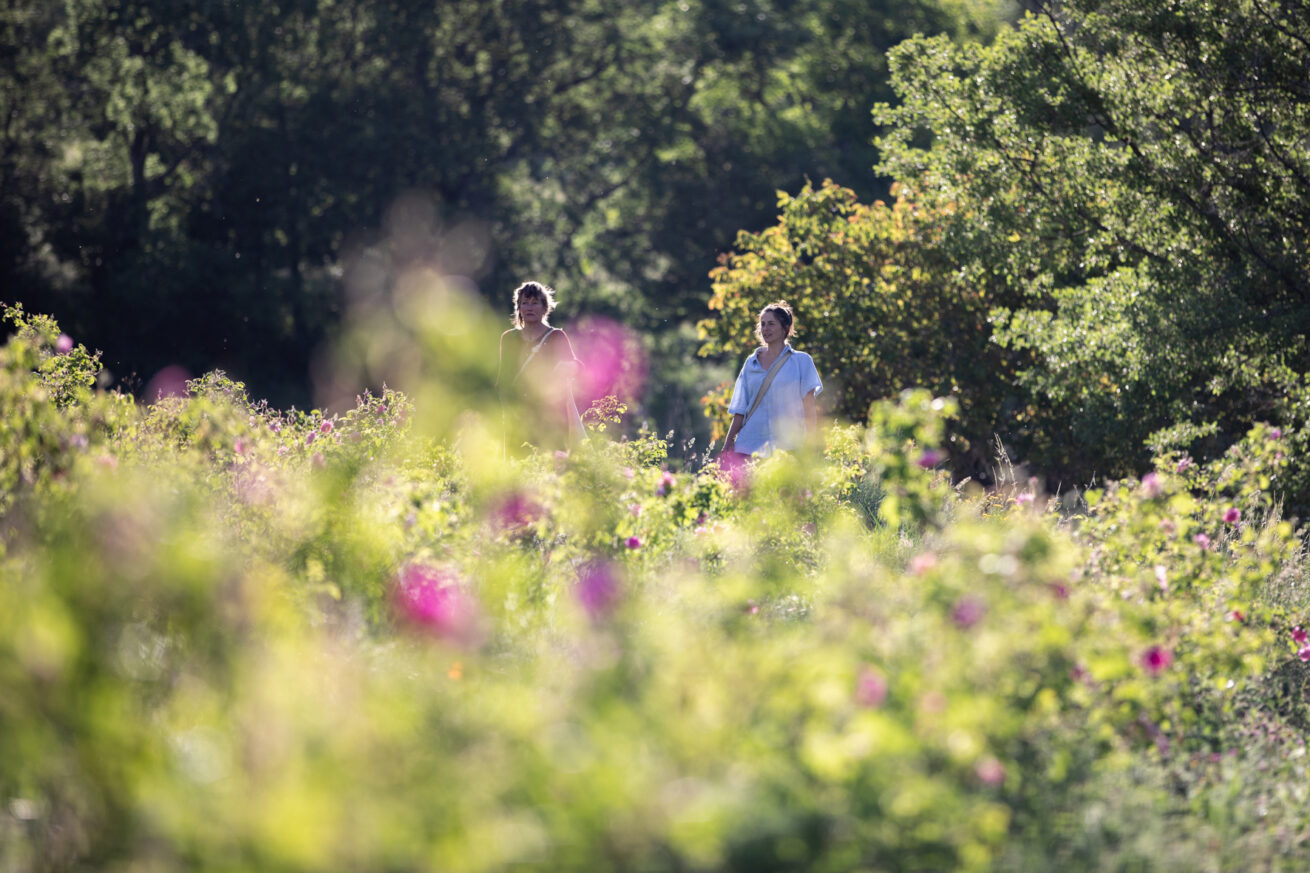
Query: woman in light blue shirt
x=786 y=414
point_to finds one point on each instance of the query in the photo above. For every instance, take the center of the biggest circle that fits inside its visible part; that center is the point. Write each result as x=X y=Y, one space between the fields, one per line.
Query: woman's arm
x=500 y=356
x=730 y=441
x=566 y=362
x=811 y=416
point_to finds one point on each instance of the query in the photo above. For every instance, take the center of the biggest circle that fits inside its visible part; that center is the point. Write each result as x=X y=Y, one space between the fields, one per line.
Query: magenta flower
x=968 y=611
x=1183 y=464
x=64 y=344
x=597 y=589
x=309 y=438
x=325 y=427
x=613 y=361
x=1304 y=654
x=1203 y=541
x=1299 y=636
x=990 y=771
x=515 y=512
x=1156 y=660
x=930 y=458
x=870 y=687
x=432 y=599
x=1275 y=433
x=666 y=483
x=1237 y=616
x=634 y=543
x=1233 y=515
x=168 y=382
x=1151 y=485
x=1025 y=499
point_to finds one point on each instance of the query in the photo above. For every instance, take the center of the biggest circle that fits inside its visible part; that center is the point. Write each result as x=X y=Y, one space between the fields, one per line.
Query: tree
x=878 y=308
x=1136 y=173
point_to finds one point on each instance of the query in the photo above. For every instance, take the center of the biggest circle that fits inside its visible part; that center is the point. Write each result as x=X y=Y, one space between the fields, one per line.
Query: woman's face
x=771 y=329
x=531 y=309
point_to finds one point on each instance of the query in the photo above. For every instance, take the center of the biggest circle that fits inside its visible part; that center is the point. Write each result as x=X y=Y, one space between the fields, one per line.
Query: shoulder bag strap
x=764 y=386
x=532 y=354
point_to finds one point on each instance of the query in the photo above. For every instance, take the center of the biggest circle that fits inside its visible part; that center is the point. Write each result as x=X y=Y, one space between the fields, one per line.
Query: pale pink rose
x=870 y=687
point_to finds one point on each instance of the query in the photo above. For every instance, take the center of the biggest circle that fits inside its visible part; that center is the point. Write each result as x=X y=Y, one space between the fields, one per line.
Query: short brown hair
x=539 y=290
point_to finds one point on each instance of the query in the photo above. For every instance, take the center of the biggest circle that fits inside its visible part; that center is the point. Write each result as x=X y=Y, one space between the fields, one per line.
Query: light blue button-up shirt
x=779 y=423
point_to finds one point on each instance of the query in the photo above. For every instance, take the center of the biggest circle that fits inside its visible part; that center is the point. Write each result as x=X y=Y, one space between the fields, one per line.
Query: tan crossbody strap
x=532 y=354
x=764 y=386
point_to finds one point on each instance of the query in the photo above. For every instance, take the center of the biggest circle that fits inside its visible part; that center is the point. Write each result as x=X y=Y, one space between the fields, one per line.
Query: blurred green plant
x=238 y=636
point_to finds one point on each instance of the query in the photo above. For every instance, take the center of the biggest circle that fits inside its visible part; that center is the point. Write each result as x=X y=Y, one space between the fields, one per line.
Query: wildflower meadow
x=236 y=637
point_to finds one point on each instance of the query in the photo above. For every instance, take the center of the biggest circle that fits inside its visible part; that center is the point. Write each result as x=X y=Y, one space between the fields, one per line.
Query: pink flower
x=990 y=771
x=922 y=563
x=597 y=589
x=309 y=438
x=634 y=543
x=1203 y=541
x=1237 y=616
x=1275 y=433
x=1168 y=526
x=1156 y=660
x=628 y=472
x=318 y=461
x=1151 y=485
x=1060 y=590
x=968 y=611
x=733 y=466
x=239 y=446
x=64 y=344
x=325 y=427
x=1304 y=654
x=168 y=382
x=870 y=687
x=930 y=458
x=432 y=599
x=1299 y=635
x=1161 y=577
x=515 y=512
x=666 y=483
x=1183 y=464
x=1233 y=515
x=613 y=360
x=635 y=509
x=1025 y=499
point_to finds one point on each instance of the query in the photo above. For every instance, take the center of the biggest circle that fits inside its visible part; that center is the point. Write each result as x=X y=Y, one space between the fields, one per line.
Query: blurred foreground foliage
x=238 y=637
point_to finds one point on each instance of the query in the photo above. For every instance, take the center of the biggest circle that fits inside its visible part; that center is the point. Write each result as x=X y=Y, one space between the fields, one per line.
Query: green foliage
x=877 y=306
x=1130 y=172
x=211 y=649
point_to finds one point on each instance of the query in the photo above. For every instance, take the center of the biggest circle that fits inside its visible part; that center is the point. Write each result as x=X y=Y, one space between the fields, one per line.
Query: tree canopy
x=185 y=182
x=1127 y=187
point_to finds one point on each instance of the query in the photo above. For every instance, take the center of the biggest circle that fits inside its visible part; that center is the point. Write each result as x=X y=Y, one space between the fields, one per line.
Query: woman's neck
x=775 y=348
x=535 y=331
